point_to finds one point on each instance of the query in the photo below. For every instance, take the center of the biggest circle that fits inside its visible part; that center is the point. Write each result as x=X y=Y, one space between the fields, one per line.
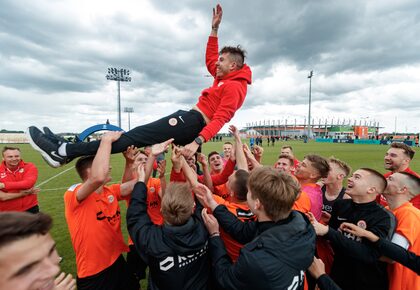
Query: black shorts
x=115 y=277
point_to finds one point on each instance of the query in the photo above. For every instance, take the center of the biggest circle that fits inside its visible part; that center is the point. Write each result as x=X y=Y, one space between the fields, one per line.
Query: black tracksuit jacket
x=177 y=255
x=275 y=256
x=356 y=264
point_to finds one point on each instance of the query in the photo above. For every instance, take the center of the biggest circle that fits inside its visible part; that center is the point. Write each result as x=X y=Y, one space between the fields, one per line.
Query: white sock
x=62 y=149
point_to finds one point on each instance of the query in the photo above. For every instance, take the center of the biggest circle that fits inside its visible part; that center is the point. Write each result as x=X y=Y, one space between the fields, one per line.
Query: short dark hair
x=379 y=178
x=19 y=225
x=286 y=156
x=240 y=185
x=320 y=164
x=413 y=182
x=227 y=142
x=82 y=164
x=407 y=149
x=236 y=53
x=5 y=148
x=213 y=153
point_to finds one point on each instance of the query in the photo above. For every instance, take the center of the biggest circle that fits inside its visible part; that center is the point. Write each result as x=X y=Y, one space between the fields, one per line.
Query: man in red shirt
x=216 y=106
x=17 y=181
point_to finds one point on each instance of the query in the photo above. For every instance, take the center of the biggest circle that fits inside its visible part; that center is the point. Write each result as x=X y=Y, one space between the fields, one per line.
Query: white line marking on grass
x=51 y=178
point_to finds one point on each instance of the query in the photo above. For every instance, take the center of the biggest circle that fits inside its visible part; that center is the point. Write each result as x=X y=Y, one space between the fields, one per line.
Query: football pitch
x=54 y=182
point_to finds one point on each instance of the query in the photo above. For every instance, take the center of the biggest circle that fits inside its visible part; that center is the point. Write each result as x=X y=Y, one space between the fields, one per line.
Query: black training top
x=356 y=264
x=327 y=205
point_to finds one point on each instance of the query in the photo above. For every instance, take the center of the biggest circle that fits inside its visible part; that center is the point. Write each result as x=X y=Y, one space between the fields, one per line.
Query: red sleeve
x=29 y=178
x=233 y=93
x=212 y=55
x=177 y=176
x=223 y=177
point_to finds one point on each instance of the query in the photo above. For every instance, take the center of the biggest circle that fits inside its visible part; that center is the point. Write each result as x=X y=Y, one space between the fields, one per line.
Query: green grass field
x=54 y=182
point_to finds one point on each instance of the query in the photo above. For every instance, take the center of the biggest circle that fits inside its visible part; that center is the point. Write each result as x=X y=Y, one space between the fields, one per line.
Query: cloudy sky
x=54 y=56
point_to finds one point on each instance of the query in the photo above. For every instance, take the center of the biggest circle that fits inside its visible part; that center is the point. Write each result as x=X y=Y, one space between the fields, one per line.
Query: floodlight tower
x=119 y=75
x=309 y=114
x=128 y=110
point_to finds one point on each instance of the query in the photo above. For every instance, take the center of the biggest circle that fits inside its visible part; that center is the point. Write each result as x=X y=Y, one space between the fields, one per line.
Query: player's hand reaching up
x=210 y=222
x=161 y=147
x=205 y=196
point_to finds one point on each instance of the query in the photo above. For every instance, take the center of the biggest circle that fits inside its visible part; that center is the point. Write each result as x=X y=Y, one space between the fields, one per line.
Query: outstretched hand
x=161 y=147
x=131 y=153
x=141 y=173
x=217 y=16
x=205 y=196
x=234 y=131
x=111 y=136
x=190 y=149
x=320 y=229
x=358 y=231
x=210 y=222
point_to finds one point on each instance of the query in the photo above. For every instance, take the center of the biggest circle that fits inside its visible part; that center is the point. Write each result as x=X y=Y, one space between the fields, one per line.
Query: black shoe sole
x=51 y=162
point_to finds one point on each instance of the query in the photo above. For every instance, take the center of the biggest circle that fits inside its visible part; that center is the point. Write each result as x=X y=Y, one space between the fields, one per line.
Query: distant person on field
x=227 y=150
x=28 y=254
x=216 y=106
x=17 y=181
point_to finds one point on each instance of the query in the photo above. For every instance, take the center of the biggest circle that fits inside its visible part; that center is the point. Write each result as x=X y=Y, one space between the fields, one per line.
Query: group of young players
x=225 y=222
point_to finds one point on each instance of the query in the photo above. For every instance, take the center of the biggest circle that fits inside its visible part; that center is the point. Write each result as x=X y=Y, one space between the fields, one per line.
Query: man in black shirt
x=356 y=264
x=279 y=246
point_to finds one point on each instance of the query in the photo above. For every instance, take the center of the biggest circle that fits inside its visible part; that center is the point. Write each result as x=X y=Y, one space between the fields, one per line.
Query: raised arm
x=217 y=19
x=207 y=179
x=241 y=162
x=130 y=156
x=100 y=166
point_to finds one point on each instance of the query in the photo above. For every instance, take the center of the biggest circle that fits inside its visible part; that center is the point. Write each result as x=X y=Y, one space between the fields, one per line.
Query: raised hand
x=210 y=222
x=234 y=131
x=202 y=159
x=111 y=136
x=205 y=196
x=320 y=229
x=131 y=153
x=141 y=174
x=161 y=147
x=161 y=168
x=217 y=16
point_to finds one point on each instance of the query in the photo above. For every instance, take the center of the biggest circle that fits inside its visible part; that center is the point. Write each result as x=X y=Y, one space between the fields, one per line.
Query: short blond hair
x=177 y=203
x=341 y=164
x=277 y=191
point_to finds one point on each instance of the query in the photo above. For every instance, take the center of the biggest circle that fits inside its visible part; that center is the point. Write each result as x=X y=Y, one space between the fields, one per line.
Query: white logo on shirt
x=111 y=198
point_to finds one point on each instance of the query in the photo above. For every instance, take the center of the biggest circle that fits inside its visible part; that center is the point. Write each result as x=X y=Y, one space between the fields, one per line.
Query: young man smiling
x=356 y=265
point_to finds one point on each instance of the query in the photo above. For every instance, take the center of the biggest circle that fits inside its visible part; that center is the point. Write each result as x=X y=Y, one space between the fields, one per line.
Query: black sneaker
x=46 y=146
x=53 y=137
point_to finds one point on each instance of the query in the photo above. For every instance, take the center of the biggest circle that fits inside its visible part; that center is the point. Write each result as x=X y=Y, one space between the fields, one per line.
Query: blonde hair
x=277 y=191
x=177 y=203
